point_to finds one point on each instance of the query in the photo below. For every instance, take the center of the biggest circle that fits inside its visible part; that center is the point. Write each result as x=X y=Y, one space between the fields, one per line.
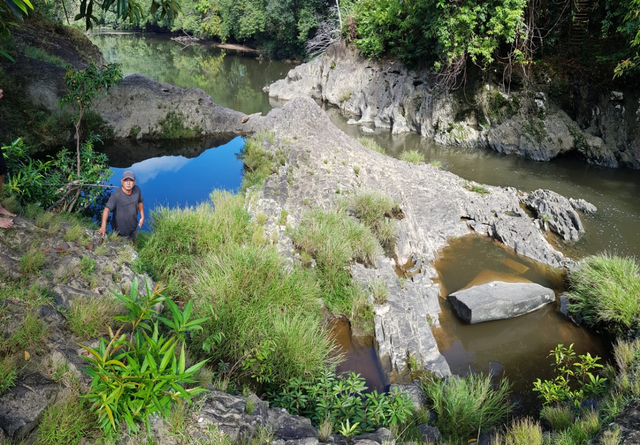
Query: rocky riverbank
x=550 y=121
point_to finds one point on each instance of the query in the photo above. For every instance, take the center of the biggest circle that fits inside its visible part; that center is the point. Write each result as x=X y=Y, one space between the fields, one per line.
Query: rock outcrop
x=499 y=300
x=141 y=108
x=389 y=95
x=322 y=164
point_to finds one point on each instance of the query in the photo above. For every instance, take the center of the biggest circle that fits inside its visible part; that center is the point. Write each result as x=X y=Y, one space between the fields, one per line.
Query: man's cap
x=128 y=174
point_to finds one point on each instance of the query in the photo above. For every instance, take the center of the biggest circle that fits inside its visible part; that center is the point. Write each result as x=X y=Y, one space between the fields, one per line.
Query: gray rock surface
x=557 y=213
x=437 y=205
x=389 y=95
x=499 y=300
x=138 y=106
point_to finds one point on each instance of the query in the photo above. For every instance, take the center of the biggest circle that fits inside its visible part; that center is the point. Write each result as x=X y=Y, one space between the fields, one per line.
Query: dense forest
x=505 y=36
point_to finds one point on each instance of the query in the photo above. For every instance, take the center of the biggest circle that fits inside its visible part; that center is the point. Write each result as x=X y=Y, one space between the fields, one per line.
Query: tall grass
x=522 y=432
x=266 y=322
x=467 y=406
x=371 y=144
x=605 y=290
x=180 y=237
x=259 y=305
x=335 y=239
x=375 y=210
x=413 y=156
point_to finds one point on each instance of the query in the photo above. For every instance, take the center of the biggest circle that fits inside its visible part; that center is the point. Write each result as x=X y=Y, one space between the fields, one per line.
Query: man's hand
x=102 y=231
x=141 y=222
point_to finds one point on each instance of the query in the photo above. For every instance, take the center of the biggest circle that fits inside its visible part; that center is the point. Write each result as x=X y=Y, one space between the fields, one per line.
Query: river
x=184 y=173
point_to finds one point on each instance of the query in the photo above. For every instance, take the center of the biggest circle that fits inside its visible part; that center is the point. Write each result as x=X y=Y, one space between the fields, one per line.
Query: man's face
x=127 y=184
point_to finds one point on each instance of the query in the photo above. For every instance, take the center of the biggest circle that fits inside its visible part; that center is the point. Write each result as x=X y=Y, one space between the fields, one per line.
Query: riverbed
x=183 y=173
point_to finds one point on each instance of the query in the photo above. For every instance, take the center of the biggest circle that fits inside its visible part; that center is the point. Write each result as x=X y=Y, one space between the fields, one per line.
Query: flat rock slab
x=499 y=300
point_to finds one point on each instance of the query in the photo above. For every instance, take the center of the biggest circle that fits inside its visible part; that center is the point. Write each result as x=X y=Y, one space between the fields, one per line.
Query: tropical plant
x=48 y=182
x=142 y=372
x=342 y=402
x=574 y=380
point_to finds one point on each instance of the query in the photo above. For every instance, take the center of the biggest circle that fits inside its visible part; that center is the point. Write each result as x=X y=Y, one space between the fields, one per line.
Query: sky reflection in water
x=177 y=181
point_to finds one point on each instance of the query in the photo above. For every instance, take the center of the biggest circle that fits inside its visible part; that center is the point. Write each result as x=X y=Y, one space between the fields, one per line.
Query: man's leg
x=5 y=223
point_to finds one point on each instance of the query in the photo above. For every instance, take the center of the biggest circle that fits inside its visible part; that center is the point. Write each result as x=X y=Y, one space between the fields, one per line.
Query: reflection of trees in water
x=232 y=80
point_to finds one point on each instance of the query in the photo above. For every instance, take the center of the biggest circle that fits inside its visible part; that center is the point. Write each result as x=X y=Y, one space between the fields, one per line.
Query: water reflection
x=177 y=180
x=233 y=79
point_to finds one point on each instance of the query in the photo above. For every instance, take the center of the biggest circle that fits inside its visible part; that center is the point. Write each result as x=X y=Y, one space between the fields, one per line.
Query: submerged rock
x=499 y=300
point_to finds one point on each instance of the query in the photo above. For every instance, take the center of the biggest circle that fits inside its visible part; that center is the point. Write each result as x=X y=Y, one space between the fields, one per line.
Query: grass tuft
x=522 y=432
x=467 y=406
x=413 y=156
x=371 y=144
x=67 y=422
x=605 y=290
x=90 y=317
x=375 y=210
x=559 y=417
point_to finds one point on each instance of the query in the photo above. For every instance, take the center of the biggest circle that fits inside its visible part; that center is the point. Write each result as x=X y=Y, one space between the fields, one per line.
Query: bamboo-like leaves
x=141 y=373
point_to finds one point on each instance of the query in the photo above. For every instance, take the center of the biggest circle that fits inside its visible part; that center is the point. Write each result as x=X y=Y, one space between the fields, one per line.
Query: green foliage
x=477 y=189
x=343 y=402
x=438 y=32
x=573 y=382
x=466 y=406
x=66 y=423
x=141 y=373
x=559 y=417
x=375 y=210
x=605 y=290
x=270 y=318
x=258 y=162
x=335 y=239
x=172 y=127
x=84 y=87
x=91 y=317
x=45 y=181
x=11 y=10
x=413 y=156
x=8 y=373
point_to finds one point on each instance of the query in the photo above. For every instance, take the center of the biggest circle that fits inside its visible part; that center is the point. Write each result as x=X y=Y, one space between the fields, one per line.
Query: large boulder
x=499 y=300
x=558 y=213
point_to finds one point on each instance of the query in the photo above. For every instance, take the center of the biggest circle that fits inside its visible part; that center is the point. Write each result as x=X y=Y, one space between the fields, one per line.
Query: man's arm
x=105 y=216
x=141 y=210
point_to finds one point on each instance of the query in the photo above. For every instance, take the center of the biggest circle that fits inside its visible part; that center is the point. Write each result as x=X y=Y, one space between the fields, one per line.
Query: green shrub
x=573 y=382
x=32 y=261
x=413 y=156
x=605 y=290
x=259 y=163
x=467 y=406
x=341 y=401
x=144 y=372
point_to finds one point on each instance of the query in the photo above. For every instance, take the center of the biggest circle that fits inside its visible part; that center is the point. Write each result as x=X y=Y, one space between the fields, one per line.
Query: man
x=125 y=203
x=5 y=223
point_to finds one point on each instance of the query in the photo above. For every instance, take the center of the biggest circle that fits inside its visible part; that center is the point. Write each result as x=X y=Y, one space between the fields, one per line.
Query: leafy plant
x=8 y=373
x=143 y=372
x=574 y=382
x=333 y=400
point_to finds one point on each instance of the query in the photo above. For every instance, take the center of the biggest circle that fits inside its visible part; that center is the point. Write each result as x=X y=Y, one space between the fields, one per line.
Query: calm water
x=184 y=173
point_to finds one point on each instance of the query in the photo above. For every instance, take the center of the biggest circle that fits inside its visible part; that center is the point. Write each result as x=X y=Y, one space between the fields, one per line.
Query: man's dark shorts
x=3 y=165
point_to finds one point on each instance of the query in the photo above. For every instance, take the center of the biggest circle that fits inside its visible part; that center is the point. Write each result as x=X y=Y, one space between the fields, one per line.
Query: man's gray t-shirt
x=125 y=210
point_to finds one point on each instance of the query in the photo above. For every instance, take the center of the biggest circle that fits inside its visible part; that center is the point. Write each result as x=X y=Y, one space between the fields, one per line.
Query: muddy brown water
x=517 y=348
